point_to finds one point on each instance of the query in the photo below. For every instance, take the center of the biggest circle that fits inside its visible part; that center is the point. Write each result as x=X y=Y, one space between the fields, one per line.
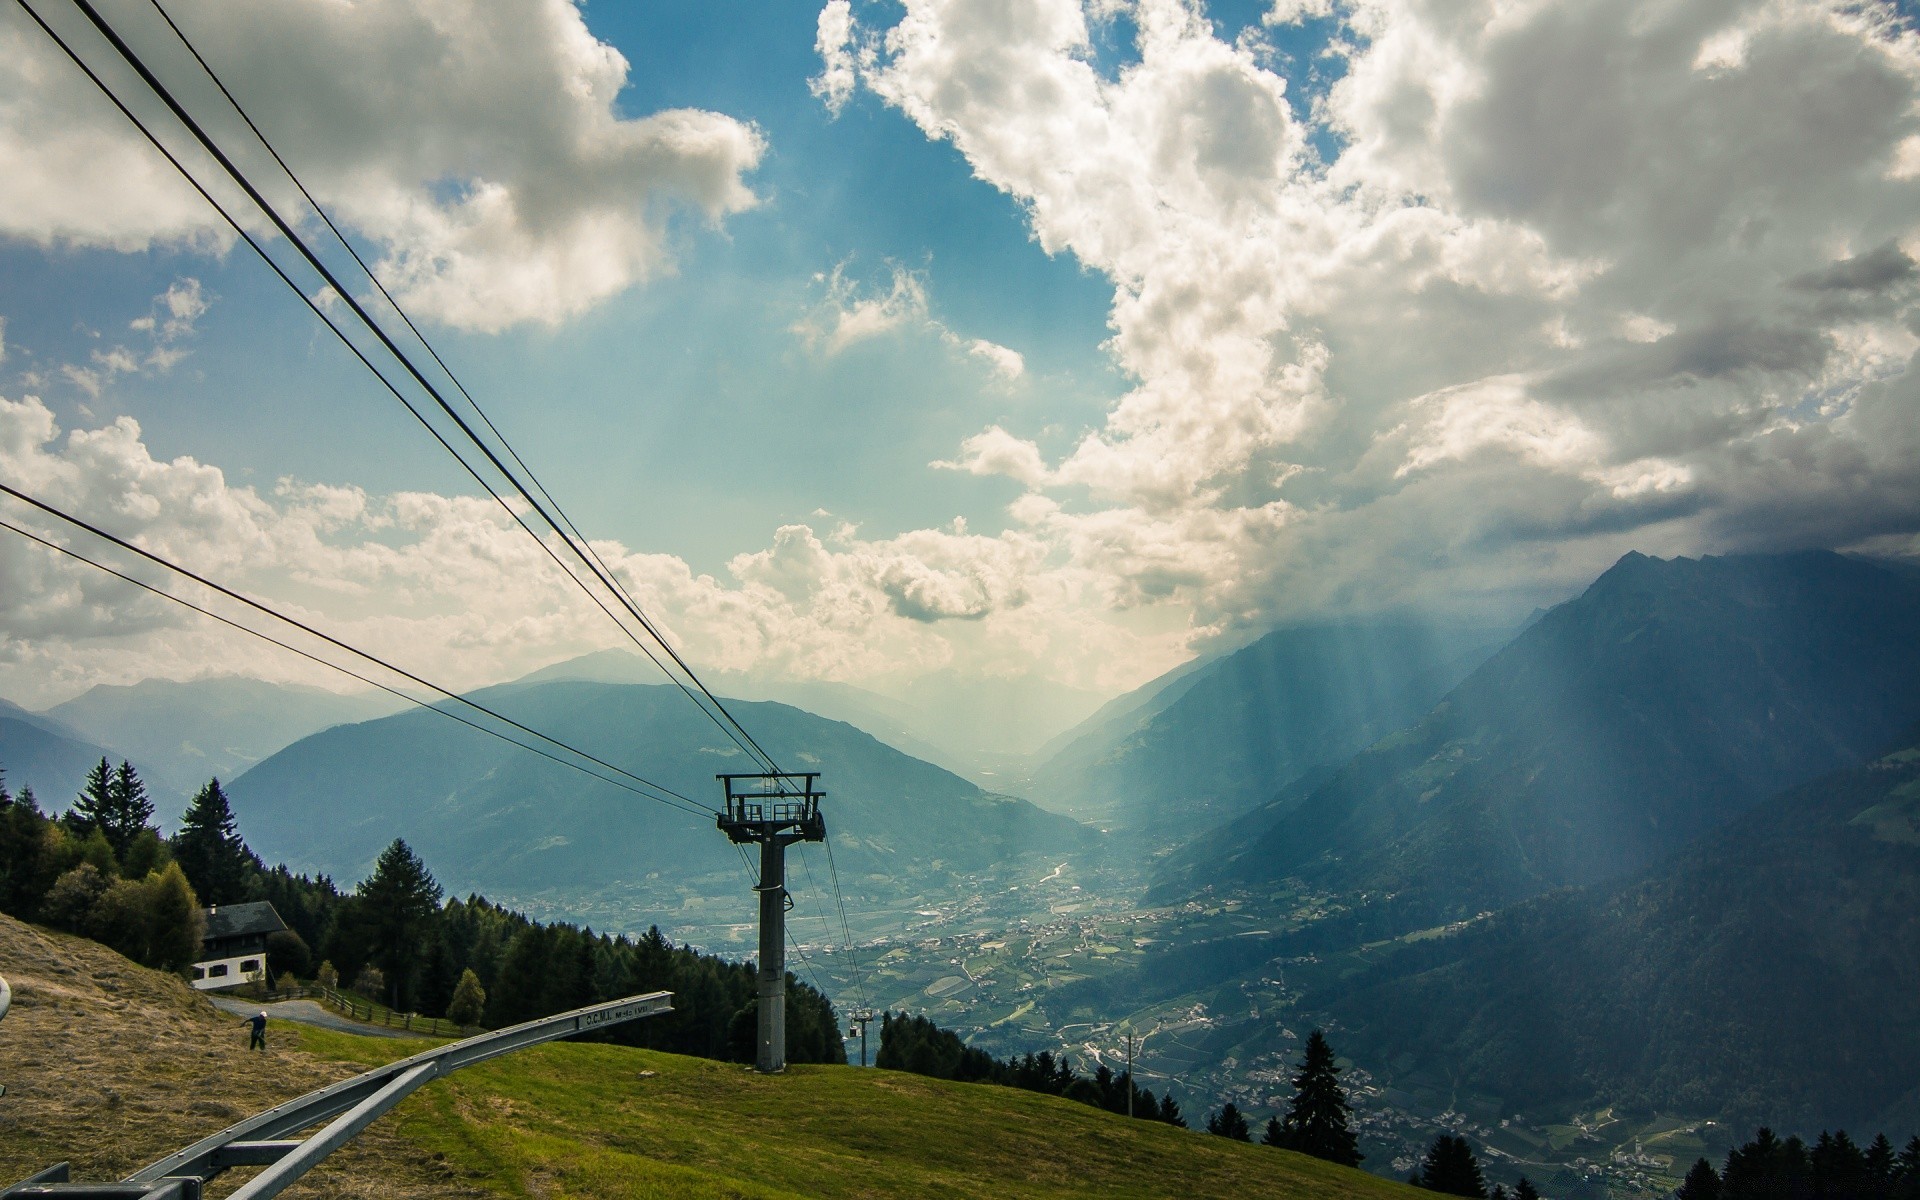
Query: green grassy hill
x=608 y=1121
x=112 y=1065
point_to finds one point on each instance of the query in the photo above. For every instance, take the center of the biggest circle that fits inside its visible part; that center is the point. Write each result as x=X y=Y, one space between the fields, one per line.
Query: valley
x=1510 y=882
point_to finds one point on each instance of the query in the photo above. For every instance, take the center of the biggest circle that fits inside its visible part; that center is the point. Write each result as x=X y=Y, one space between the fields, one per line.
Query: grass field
x=112 y=1066
x=576 y=1120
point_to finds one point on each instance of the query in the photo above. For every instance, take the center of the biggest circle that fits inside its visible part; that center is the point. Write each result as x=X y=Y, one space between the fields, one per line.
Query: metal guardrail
x=348 y=1106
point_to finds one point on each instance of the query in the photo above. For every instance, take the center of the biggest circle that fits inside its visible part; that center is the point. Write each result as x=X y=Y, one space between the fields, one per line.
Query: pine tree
x=1701 y=1183
x=1170 y=1112
x=1880 y=1165
x=1498 y=1193
x=1524 y=1190
x=115 y=803
x=208 y=848
x=94 y=805
x=1273 y=1135
x=1906 y=1183
x=1318 y=1119
x=1229 y=1122
x=132 y=809
x=1450 y=1166
x=398 y=901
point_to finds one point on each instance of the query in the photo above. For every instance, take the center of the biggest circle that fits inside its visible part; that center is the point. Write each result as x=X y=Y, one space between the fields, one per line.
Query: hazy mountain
x=996 y=724
x=884 y=717
x=489 y=816
x=1766 y=974
x=1661 y=703
x=1195 y=748
x=182 y=733
x=39 y=752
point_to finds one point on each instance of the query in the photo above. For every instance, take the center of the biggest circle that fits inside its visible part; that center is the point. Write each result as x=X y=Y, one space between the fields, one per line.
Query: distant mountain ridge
x=180 y=733
x=492 y=817
x=1657 y=706
x=43 y=754
x=1207 y=742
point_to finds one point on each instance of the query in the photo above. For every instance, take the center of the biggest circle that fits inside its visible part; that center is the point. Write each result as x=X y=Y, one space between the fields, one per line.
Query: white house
x=234 y=951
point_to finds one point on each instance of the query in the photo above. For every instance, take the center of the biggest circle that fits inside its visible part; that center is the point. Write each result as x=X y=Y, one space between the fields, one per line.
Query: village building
x=234 y=950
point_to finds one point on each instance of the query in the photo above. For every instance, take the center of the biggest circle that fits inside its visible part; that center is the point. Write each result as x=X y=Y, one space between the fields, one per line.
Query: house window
x=199 y=972
x=216 y=970
x=252 y=964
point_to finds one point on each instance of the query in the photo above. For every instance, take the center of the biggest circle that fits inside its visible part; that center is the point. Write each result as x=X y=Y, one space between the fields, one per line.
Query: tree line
x=1769 y=1168
x=916 y=1044
x=102 y=870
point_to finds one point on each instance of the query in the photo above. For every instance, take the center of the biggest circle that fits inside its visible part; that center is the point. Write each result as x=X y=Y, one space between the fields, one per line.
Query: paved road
x=307 y=1012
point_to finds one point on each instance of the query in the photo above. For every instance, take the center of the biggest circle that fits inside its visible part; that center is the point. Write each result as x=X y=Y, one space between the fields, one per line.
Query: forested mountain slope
x=496 y=818
x=1766 y=974
x=1207 y=745
x=1659 y=705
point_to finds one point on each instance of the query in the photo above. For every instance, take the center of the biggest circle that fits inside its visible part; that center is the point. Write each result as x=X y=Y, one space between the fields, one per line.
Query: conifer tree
x=1701 y=1183
x=1498 y=1193
x=1318 y=1119
x=1274 y=1134
x=95 y=802
x=1230 y=1123
x=1906 y=1183
x=397 y=902
x=1450 y=1166
x=115 y=803
x=208 y=848
x=1880 y=1165
x=132 y=809
x=1170 y=1112
x=1524 y=1190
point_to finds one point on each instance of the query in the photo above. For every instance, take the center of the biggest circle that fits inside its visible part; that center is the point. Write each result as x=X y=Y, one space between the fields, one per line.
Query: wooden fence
x=374 y=1014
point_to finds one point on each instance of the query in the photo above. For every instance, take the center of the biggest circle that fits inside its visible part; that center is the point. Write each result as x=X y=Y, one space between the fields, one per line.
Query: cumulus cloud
x=450 y=587
x=1580 y=277
x=477 y=145
x=834 y=42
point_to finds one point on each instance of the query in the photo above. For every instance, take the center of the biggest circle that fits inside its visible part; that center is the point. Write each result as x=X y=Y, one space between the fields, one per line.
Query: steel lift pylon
x=774 y=809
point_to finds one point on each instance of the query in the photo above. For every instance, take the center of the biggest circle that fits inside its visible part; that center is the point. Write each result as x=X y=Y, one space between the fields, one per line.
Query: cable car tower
x=774 y=809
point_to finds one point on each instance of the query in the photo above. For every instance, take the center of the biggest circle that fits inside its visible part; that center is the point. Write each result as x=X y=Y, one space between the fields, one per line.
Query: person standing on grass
x=259 y=1039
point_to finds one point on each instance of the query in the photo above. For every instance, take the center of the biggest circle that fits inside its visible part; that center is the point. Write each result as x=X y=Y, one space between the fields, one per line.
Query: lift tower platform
x=774 y=809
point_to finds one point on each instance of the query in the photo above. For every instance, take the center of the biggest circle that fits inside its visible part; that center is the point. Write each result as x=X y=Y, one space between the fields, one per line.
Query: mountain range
x=1656 y=707
x=41 y=753
x=1216 y=737
x=491 y=817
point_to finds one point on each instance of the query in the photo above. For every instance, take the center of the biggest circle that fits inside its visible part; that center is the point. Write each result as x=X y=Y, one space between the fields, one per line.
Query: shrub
x=469 y=1000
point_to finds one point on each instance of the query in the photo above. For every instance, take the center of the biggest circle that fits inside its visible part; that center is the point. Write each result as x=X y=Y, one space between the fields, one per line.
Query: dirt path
x=307 y=1012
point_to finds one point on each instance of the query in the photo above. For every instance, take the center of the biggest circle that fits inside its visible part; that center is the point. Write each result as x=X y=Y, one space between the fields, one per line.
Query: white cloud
x=477 y=144
x=1582 y=277
x=834 y=42
x=171 y=319
x=848 y=314
x=450 y=587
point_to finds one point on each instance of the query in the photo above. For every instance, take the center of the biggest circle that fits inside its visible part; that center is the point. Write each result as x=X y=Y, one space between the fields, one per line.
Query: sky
x=1035 y=343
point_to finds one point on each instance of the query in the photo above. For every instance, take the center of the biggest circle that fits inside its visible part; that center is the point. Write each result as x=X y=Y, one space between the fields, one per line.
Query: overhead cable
x=724 y=718
x=344 y=670
x=666 y=795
